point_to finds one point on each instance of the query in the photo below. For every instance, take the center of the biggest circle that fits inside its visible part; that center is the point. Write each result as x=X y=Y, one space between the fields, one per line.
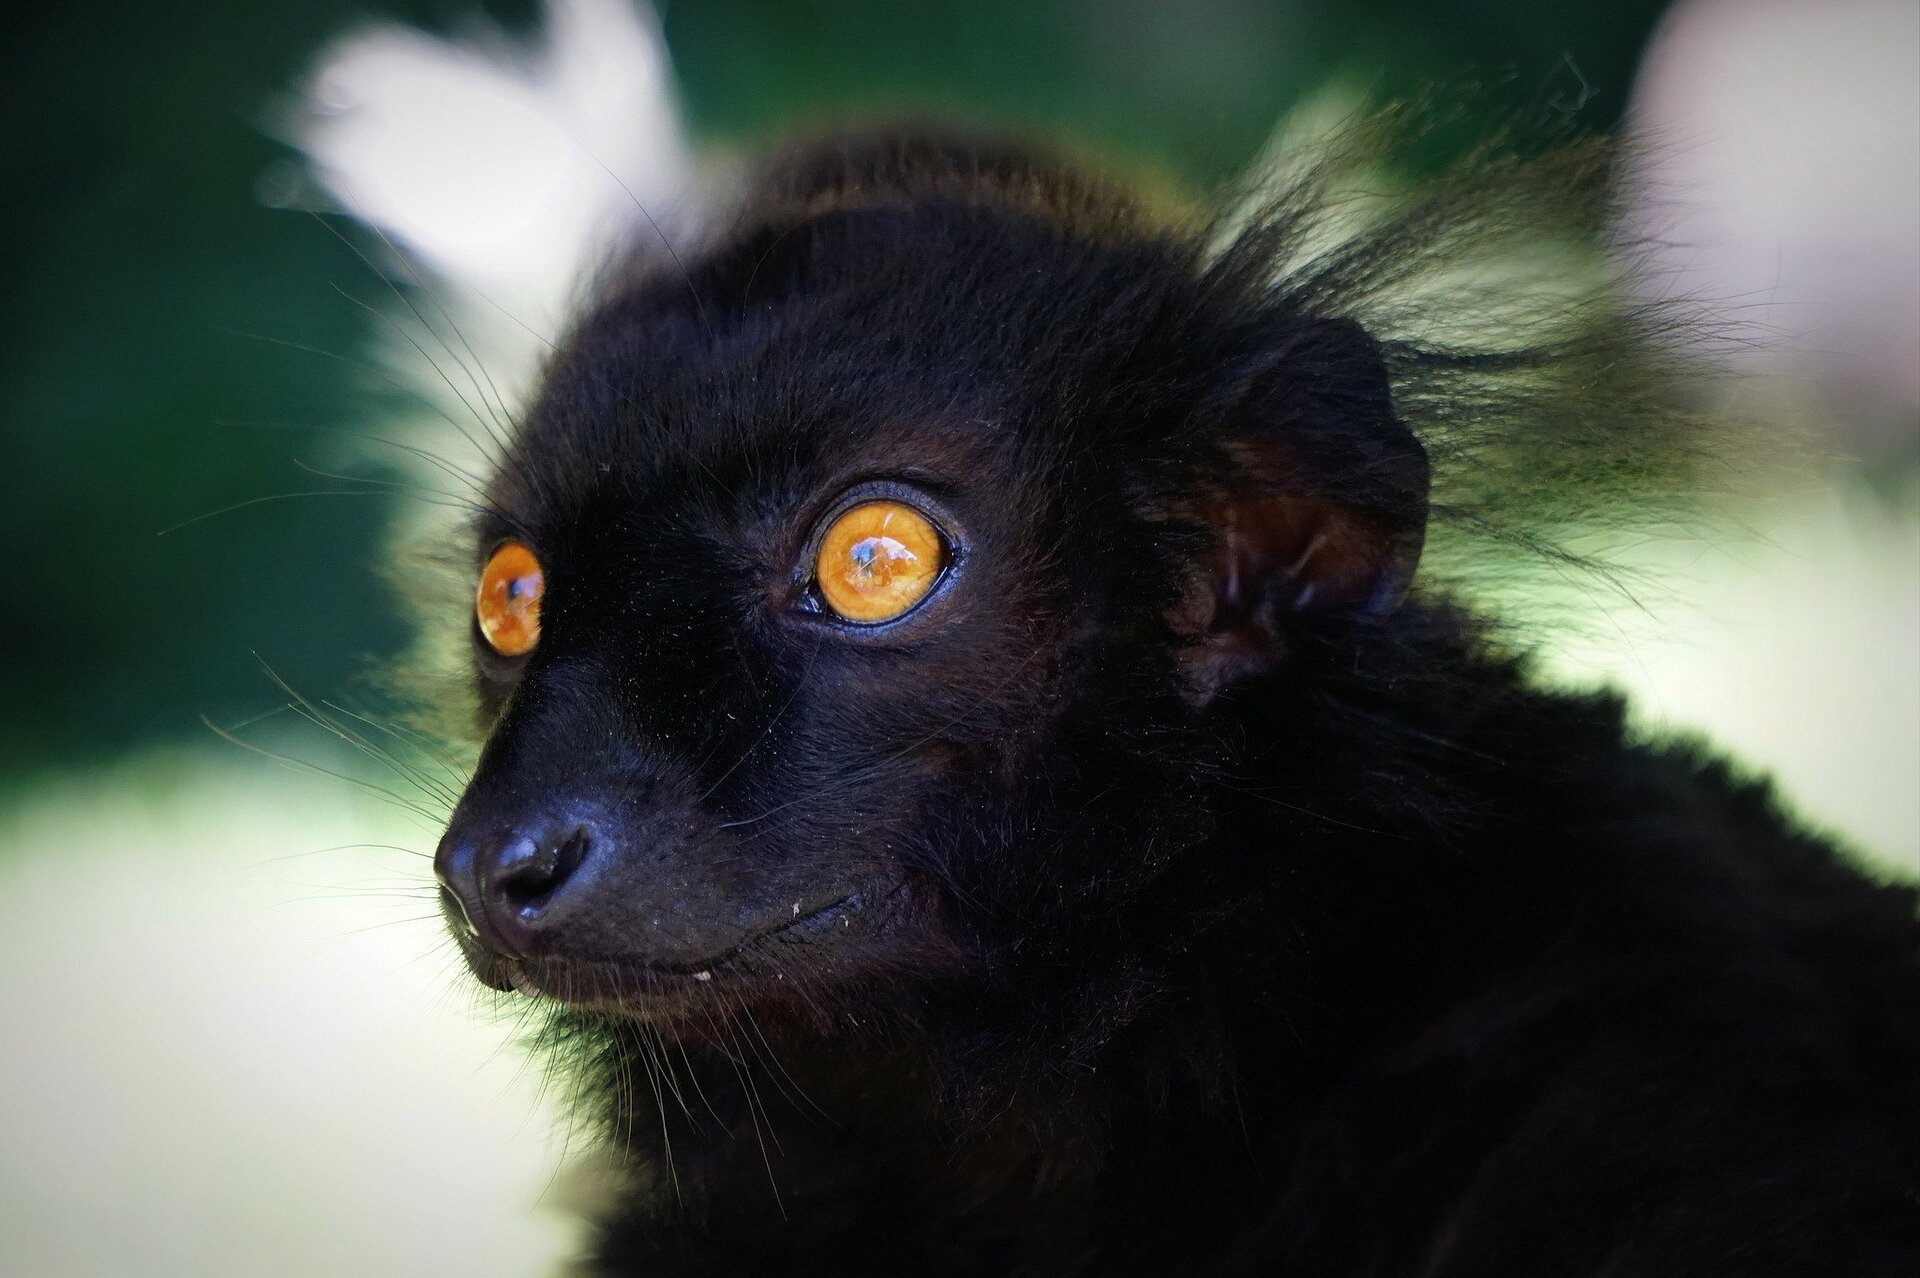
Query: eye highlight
x=507 y=602
x=877 y=560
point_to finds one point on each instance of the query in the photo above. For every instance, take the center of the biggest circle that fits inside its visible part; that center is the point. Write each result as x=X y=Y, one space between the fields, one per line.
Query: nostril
x=528 y=871
x=521 y=867
x=498 y=889
x=572 y=853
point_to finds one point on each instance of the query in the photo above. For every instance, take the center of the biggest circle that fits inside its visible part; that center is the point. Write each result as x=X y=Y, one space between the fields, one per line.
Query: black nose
x=504 y=882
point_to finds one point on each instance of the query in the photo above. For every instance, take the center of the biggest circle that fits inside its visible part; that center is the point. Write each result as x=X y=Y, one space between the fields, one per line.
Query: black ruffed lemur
x=974 y=772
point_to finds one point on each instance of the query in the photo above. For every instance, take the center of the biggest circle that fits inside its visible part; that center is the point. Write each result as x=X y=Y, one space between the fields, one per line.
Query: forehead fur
x=910 y=325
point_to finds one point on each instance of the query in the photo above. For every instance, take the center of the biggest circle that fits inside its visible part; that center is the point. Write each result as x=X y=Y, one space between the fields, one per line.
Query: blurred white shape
x=1782 y=182
x=513 y=168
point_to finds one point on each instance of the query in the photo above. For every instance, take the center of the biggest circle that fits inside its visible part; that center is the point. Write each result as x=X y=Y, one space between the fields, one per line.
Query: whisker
x=415 y=921
x=376 y=791
x=260 y=501
x=359 y=365
x=686 y=276
x=458 y=774
x=452 y=470
x=421 y=493
x=428 y=784
x=487 y=450
x=338 y=847
x=408 y=302
x=406 y=264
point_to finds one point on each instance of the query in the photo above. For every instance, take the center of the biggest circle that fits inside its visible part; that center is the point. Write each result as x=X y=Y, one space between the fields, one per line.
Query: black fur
x=1111 y=919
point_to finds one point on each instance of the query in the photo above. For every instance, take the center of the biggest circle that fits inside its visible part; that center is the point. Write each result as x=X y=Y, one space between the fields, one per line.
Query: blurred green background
x=237 y=1042
x=145 y=284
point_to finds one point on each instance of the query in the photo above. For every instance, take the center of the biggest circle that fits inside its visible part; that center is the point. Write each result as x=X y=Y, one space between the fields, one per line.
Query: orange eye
x=878 y=560
x=507 y=604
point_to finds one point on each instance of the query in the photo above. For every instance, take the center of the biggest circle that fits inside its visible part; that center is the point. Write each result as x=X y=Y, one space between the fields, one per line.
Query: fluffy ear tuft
x=1319 y=507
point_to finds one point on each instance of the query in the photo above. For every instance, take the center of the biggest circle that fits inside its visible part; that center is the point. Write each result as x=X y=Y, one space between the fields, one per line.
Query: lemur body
x=1106 y=854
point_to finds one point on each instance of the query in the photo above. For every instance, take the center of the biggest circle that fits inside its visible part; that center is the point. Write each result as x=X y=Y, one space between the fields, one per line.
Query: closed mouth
x=621 y=983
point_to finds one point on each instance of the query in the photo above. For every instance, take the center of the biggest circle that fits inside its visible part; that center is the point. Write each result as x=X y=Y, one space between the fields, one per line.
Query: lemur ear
x=1318 y=505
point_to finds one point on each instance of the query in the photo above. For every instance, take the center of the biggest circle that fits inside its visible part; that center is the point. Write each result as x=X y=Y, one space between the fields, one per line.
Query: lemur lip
x=489 y=969
x=549 y=976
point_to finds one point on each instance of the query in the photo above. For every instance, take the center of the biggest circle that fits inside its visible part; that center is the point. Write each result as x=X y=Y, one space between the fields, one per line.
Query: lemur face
x=856 y=597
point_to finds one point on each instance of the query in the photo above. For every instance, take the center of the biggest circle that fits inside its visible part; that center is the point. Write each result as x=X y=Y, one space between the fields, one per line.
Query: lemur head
x=862 y=597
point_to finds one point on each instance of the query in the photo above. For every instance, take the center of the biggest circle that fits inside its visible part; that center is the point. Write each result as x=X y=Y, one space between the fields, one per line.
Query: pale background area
x=237 y=1045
